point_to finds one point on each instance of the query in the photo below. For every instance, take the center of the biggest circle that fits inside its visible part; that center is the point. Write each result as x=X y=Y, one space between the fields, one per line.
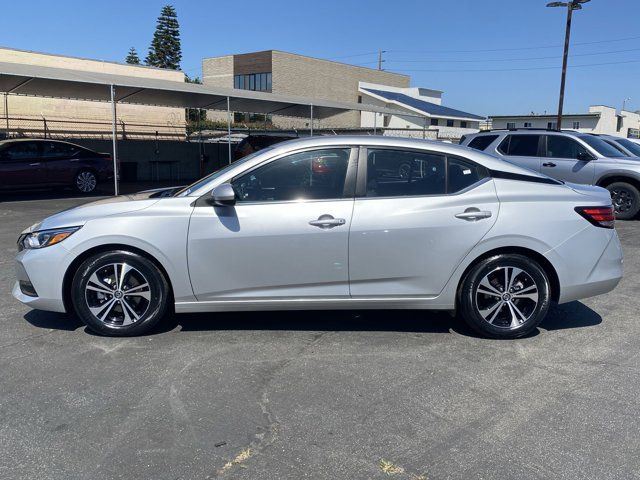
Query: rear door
x=60 y=161
x=566 y=159
x=21 y=165
x=408 y=233
x=522 y=149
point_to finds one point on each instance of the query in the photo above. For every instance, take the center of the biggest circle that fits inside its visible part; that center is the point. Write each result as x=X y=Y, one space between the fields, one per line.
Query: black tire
x=507 y=321
x=148 y=304
x=85 y=181
x=626 y=200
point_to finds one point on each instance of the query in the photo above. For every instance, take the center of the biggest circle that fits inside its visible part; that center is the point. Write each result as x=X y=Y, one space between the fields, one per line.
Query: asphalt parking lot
x=322 y=395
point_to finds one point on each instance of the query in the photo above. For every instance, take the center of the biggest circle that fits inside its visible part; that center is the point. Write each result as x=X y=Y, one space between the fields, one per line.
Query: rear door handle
x=548 y=164
x=327 y=221
x=34 y=164
x=473 y=214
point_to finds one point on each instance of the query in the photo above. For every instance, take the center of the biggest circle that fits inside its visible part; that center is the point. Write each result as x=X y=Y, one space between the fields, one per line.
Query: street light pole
x=571 y=6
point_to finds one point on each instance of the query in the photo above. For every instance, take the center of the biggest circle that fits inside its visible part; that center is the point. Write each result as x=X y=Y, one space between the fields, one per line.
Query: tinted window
x=482 y=142
x=434 y=121
x=520 y=145
x=395 y=173
x=629 y=145
x=313 y=175
x=21 y=150
x=462 y=174
x=58 y=150
x=600 y=146
x=564 y=147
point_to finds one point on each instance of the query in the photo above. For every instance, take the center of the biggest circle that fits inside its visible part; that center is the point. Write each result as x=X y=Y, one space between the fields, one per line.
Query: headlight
x=44 y=238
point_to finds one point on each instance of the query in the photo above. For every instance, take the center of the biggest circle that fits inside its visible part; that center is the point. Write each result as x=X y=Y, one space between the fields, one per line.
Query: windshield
x=602 y=147
x=203 y=181
x=629 y=145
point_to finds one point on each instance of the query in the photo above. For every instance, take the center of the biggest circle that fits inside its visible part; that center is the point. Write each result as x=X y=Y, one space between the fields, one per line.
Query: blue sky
x=426 y=39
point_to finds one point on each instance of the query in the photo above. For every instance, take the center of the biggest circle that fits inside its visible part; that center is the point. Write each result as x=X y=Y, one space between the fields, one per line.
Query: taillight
x=599 y=216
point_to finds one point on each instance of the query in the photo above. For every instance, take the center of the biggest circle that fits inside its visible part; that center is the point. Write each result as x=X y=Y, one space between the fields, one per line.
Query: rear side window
x=520 y=145
x=482 y=142
x=462 y=174
x=397 y=173
x=21 y=150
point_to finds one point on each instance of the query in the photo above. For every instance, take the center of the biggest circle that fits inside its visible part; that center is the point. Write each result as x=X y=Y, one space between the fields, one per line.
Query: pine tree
x=165 y=51
x=132 y=57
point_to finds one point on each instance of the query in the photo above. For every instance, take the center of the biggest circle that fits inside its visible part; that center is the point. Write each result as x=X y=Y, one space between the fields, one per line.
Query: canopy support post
x=424 y=128
x=311 y=116
x=229 y=128
x=6 y=111
x=375 y=123
x=114 y=133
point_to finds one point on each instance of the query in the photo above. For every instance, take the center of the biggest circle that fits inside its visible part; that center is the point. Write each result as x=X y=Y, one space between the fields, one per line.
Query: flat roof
x=550 y=115
x=38 y=81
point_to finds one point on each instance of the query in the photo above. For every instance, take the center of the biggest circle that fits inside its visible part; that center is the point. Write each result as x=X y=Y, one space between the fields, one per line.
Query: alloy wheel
x=506 y=297
x=86 y=182
x=118 y=294
x=622 y=200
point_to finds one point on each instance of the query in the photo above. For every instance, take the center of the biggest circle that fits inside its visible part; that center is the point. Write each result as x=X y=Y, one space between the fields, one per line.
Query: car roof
x=18 y=140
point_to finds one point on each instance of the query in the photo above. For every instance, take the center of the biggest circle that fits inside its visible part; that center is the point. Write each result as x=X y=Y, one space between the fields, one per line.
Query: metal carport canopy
x=40 y=81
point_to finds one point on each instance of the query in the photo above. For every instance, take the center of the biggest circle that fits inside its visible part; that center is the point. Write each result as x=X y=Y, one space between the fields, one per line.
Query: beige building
x=28 y=115
x=292 y=74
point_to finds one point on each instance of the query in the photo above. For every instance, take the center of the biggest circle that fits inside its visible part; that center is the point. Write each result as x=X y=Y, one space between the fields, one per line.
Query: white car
x=331 y=223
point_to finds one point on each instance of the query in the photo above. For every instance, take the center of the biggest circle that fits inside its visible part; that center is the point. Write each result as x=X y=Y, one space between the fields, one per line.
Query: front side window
x=58 y=150
x=397 y=173
x=564 y=147
x=311 y=175
x=520 y=145
x=21 y=150
x=633 y=147
x=600 y=146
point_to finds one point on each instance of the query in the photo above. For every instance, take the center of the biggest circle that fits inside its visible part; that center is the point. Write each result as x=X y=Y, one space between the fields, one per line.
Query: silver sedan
x=331 y=223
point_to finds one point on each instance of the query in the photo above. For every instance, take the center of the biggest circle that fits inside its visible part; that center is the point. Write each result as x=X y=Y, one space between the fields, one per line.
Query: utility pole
x=624 y=103
x=380 y=60
x=571 y=6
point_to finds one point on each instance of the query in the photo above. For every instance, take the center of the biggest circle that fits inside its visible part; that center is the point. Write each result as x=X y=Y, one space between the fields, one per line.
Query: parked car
x=315 y=224
x=626 y=146
x=255 y=142
x=571 y=157
x=30 y=163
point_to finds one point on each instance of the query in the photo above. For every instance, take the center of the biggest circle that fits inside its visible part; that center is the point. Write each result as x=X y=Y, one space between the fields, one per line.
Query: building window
x=576 y=125
x=511 y=125
x=527 y=124
x=552 y=125
x=463 y=124
x=254 y=81
x=449 y=123
x=359 y=98
x=434 y=121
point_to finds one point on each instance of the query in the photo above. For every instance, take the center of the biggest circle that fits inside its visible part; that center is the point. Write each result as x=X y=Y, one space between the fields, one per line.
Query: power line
x=513 y=59
x=519 y=69
x=516 y=48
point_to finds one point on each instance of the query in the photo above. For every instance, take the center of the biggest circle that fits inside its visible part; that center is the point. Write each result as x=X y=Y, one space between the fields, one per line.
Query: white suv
x=571 y=157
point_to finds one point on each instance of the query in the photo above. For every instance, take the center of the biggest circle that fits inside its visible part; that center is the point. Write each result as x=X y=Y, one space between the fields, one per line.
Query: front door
x=565 y=159
x=409 y=233
x=286 y=236
x=60 y=161
x=21 y=165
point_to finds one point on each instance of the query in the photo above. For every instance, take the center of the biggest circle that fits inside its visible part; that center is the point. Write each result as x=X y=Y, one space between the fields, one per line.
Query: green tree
x=132 y=57
x=165 y=51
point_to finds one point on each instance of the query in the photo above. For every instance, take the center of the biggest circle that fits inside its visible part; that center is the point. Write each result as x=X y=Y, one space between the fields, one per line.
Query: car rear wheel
x=85 y=181
x=626 y=200
x=505 y=296
x=119 y=293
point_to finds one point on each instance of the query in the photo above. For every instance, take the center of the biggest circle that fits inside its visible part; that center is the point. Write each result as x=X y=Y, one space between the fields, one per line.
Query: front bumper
x=44 y=270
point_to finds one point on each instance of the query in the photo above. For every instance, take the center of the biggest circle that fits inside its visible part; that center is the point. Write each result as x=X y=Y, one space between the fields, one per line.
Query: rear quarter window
x=482 y=142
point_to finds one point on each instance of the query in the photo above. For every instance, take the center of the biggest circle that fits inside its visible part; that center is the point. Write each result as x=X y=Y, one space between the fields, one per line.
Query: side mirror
x=223 y=195
x=585 y=157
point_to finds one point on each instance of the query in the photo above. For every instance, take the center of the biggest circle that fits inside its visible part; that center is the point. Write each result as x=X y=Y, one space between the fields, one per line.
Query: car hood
x=631 y=161
x=101 y=208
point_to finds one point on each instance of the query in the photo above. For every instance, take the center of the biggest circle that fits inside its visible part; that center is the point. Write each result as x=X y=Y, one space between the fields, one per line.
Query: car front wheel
x=626 y=200
x=119 y=293
x=505 y=296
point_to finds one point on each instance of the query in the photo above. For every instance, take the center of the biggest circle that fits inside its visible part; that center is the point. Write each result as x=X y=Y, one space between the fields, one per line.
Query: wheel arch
x=546 y=265
x=617 y=177
x=73 y=267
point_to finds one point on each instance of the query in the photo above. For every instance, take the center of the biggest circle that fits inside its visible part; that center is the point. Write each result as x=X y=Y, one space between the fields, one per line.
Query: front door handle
x=548 y=164
x=472 y=214
x=327 y=221
x=34 y=164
